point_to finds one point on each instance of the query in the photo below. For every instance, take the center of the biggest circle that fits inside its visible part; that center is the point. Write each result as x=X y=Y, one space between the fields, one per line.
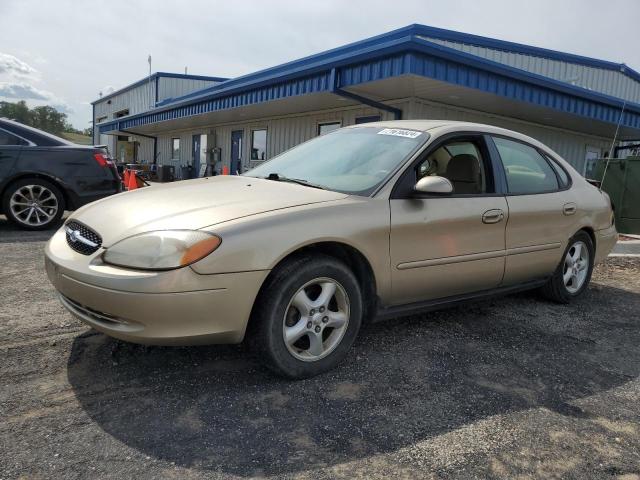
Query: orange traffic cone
x=225 y=170
x=125 y=178
x=133 y=184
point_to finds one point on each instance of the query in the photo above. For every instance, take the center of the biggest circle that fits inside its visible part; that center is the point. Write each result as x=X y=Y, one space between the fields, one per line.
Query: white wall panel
x=570 y=145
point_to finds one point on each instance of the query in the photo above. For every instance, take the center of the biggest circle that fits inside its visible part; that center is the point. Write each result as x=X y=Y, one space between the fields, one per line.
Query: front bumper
x=176 y=307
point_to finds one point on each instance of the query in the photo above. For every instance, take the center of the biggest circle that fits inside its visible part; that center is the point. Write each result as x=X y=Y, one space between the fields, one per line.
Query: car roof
x=34 y=135
x=440 y=127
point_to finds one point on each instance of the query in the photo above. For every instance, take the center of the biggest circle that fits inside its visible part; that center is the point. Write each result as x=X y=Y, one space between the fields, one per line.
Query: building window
x=259 y=145
x=121 y=113
x=324 y=128
x=101 y=119
x=367 y=119
x=175 y=148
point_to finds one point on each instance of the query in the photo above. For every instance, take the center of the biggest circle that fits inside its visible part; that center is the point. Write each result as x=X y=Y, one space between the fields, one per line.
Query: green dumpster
x=622 y=183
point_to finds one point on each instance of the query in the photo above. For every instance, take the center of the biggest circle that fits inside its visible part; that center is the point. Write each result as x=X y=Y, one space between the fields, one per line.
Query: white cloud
x=13 y=91
x=24 y=91
x=15 y=67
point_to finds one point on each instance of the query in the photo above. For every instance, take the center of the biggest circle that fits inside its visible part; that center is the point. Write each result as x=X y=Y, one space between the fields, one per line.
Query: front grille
x=81 y=238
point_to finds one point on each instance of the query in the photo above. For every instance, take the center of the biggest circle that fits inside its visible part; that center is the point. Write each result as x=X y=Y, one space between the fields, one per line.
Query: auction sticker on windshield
x=398 y=132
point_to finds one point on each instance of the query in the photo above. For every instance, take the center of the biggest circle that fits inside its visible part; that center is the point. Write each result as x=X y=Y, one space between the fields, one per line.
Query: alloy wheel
x=33 y=205
x=576 y=267
x=316 y=319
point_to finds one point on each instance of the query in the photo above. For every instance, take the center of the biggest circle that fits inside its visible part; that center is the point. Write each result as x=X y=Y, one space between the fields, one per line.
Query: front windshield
x=349 y=160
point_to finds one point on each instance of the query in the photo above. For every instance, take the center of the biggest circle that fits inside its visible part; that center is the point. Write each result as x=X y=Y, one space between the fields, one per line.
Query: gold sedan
x=368 y=222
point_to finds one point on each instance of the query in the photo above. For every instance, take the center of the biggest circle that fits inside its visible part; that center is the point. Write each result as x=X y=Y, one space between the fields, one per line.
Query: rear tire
x=572 y=276
x=307 y=316
x=33 y=204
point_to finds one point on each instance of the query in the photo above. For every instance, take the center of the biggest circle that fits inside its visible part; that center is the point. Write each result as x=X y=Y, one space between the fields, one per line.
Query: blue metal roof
x=400 y=52
x=153 y=77
x=496 y=44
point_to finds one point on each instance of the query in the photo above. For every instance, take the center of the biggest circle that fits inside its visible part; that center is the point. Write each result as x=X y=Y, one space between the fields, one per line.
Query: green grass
x=77 y=138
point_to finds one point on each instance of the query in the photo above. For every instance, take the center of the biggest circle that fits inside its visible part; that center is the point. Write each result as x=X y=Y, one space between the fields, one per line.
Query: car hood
x=193 y=204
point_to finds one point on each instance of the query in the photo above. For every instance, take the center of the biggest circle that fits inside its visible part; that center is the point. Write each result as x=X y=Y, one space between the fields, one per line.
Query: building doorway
x=591 y=161
x=236 y=151
x=199 y=155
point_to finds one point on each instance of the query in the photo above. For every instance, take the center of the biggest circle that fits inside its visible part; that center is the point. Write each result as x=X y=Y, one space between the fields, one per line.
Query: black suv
x=42 y=175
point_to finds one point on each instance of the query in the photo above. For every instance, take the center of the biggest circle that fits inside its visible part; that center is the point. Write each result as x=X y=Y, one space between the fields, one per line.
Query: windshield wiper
x=279 y=178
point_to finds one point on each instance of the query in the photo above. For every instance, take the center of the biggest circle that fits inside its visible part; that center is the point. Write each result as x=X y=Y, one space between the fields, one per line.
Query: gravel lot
x=505 y=388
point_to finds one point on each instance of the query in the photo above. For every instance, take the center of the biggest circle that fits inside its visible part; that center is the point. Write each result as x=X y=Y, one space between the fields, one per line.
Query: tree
x=43 y=117
x=17 y=111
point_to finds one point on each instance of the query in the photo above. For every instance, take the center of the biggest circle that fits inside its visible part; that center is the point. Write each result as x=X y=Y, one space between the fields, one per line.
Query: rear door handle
x=569 y=208
x=492 y=216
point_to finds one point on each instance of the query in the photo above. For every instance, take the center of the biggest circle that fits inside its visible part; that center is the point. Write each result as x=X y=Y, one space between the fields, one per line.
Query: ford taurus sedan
x=368 y=222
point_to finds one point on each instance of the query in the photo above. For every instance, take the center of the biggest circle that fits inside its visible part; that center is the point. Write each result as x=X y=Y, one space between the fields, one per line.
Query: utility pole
x=151 y=105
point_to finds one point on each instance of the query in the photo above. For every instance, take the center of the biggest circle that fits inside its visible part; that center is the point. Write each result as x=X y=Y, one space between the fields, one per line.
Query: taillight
x=102 y=159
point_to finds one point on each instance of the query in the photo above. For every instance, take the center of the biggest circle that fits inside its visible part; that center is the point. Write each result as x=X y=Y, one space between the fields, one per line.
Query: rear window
x=527 y=171
x=7 y=138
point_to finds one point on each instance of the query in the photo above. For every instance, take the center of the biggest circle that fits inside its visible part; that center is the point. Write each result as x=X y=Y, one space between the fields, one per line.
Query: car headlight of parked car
x=162 y=250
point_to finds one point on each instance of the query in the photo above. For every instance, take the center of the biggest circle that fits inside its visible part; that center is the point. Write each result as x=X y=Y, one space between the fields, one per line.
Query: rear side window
x=563 y=177
x=526 y=170
x=8 y=139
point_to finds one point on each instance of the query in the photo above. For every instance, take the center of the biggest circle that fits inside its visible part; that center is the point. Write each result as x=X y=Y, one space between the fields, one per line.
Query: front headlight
x=162 y=250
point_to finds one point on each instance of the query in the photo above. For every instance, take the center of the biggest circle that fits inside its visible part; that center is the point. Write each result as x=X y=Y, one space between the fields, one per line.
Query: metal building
x=572 y=103
x=140 y=97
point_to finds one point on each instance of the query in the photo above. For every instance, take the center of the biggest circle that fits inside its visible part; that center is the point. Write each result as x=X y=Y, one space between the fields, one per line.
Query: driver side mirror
x=437 y=185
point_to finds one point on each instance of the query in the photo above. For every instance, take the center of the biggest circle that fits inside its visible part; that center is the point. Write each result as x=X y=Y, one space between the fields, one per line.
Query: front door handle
x=492 y=216
x=569 y=208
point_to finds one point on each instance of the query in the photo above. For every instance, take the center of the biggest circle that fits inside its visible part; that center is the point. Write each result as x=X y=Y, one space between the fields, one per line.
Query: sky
x=64 y=52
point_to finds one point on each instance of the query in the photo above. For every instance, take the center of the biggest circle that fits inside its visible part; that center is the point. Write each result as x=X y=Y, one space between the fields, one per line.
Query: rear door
x=541 y=210
x=448 y=245
x=10 y=149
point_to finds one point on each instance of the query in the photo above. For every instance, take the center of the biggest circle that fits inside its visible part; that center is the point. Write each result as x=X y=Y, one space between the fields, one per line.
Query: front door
x=236 y=151
x=448 y=245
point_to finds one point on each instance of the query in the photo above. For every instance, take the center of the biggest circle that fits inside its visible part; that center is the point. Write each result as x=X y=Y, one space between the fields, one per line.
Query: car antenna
x=615 y=137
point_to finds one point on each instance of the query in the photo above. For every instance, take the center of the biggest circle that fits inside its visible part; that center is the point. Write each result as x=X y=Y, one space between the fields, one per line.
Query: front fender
x=262 y=241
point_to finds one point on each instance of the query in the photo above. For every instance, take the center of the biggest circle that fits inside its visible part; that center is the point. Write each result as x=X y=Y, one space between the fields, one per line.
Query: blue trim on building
x=155 y=78
x=396 y=53
x=505 y=45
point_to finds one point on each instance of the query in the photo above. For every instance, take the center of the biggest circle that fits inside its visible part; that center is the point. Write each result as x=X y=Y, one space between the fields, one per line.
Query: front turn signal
x=200 y=250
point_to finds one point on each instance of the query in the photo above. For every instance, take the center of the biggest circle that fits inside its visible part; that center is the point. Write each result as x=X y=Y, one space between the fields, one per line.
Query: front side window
x=526 y=169
x=7 y=138
x=349 y=160
x=175 y=148
x=259 y=145
x=461 y=162
x=324 y=128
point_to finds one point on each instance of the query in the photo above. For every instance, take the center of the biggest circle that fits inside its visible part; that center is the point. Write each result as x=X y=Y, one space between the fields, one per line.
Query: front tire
x=33 y=204
x=572 y=276
x=307 y=316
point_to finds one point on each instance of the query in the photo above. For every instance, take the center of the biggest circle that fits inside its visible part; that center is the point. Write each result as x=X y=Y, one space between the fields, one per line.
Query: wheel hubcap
x=576 y=267
x=316 y=319
x=33 y=205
